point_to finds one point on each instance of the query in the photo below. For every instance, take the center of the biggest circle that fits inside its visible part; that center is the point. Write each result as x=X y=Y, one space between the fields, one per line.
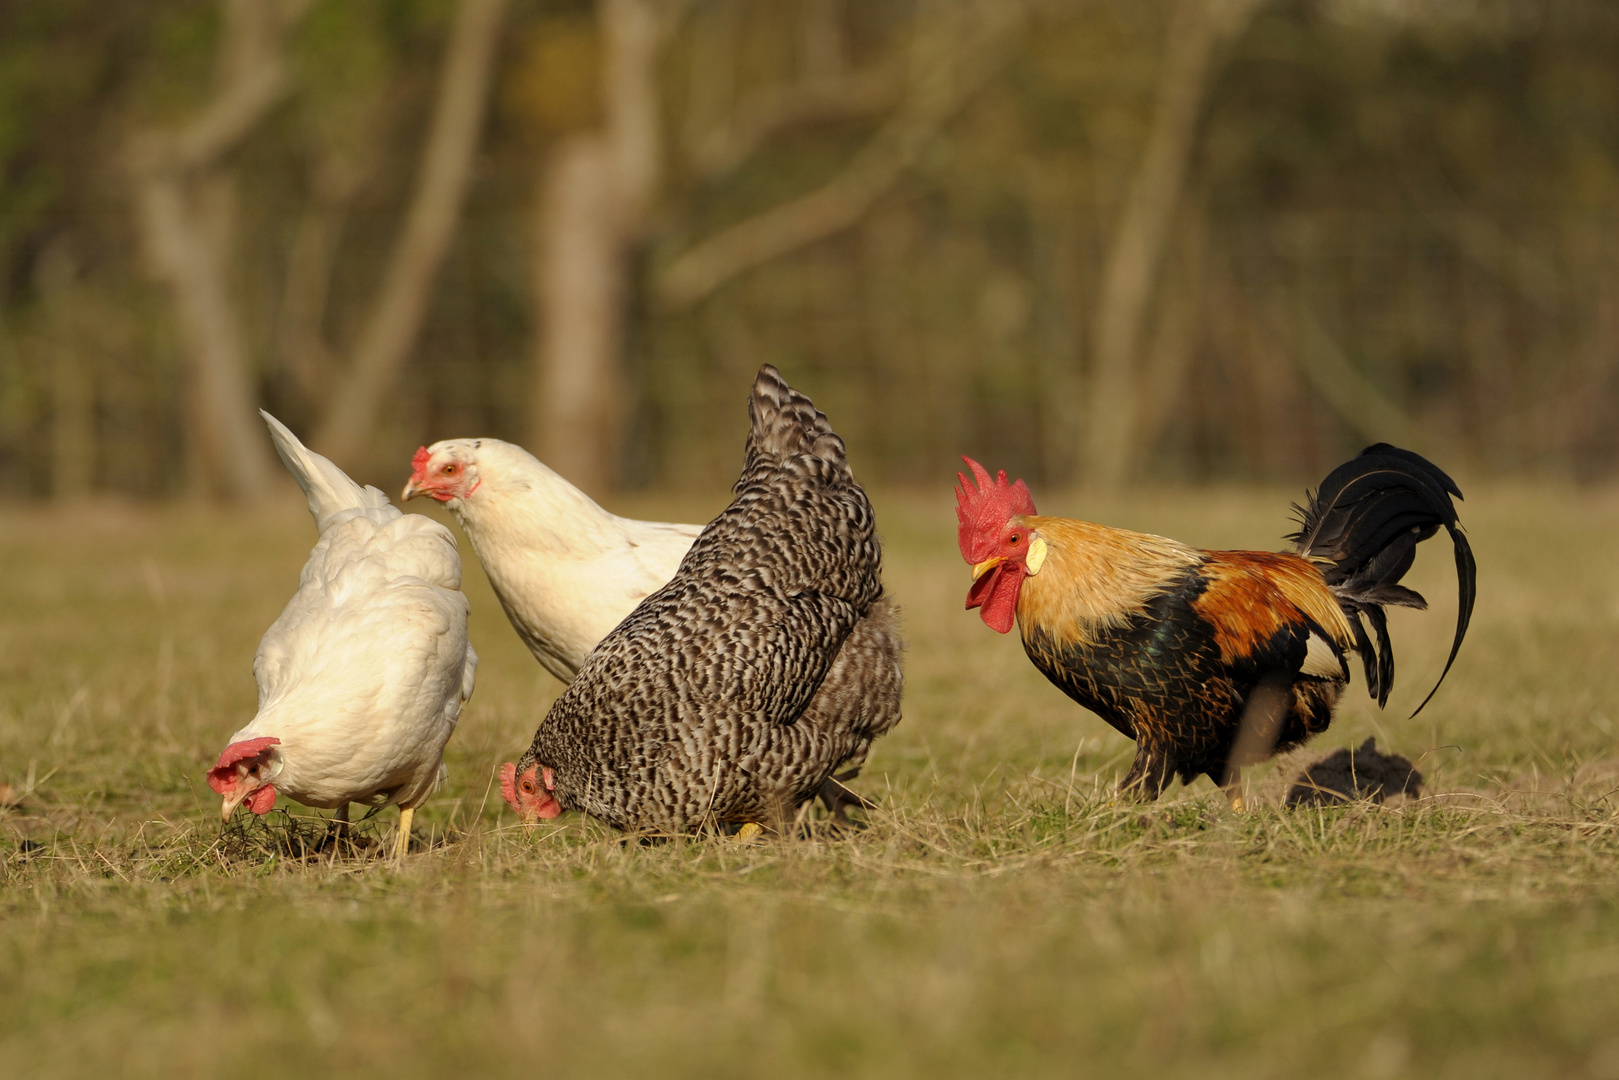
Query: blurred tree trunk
x=580 y=283
x=1358 y=400
x=307 y=283
x=175 y=172
x=1197 y=31
x=73 y=427
x=402 y=302
x=594 y=197
x=1175 y=340
x=599 y=188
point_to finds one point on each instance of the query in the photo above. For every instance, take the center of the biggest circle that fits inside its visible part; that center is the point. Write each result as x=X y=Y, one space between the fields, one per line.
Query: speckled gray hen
x=769 y=662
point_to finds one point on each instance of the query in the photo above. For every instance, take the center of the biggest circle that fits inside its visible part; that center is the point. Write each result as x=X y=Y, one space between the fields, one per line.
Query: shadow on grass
x=297 y=838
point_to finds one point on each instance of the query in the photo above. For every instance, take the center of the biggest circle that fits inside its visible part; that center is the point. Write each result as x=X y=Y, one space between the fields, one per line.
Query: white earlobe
x=1036 y=557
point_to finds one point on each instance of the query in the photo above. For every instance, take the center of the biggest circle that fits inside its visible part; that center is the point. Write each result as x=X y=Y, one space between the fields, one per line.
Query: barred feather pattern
x=770 y=661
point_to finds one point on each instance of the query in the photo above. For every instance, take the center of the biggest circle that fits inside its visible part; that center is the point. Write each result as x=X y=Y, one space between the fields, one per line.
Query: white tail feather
x=328 y=488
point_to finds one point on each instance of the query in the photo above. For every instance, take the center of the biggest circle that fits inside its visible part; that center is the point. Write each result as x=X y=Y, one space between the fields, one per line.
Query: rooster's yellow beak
x=986 y=566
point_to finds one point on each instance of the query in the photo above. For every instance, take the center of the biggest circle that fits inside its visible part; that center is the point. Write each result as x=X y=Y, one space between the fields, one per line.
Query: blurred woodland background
x=1092 y=241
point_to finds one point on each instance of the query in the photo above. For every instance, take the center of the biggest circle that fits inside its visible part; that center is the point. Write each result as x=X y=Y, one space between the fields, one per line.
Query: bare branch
x=402 y=302
x=223 y=399
x=948 y=66
x=252 y=80
x=218 y=130
x=170 y=169
x=1198 y=29
x=1518 y=265
x=859 y=94
x=1354 y=397
x=72 y=382
x=304 y=293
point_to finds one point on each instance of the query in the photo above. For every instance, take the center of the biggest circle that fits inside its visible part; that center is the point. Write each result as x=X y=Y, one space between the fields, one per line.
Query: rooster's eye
x=1015 y=538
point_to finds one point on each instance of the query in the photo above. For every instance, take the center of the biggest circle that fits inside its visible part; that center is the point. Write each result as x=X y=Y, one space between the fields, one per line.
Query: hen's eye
x=528 y=786
x=449 y=470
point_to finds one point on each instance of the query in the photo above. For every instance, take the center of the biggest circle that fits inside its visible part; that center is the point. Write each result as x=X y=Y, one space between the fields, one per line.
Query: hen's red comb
x=508 y=785
x=419 y=465
x=222 y=776
x=982 y=511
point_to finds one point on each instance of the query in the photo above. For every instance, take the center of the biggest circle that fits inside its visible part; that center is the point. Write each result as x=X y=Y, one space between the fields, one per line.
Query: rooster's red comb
x=419 y=464
x=982 y=511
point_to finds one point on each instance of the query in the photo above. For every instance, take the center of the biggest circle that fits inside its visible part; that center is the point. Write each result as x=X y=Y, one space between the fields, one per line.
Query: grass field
x=1000 y=917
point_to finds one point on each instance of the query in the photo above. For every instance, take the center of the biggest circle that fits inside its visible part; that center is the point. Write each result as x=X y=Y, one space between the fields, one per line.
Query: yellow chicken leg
x=749 y=832
x=1233 y=790
x=402 y=840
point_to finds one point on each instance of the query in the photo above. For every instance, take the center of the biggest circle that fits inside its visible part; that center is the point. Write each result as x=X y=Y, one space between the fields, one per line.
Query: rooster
x=1212 y=660
x=770 y=660
x=565 y=570
x=362 y=678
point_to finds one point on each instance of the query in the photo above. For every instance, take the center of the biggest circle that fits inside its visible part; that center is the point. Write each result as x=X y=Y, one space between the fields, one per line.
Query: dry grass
x=1001 y=916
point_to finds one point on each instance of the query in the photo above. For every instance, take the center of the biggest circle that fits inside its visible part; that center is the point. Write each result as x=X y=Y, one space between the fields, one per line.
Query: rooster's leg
x=402 y=840
x=1149 y=774
x=1263 y=715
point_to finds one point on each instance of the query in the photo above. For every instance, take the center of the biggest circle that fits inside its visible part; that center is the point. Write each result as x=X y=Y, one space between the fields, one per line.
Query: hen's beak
x=986 y=566
x=233 y=800
x=411 y=490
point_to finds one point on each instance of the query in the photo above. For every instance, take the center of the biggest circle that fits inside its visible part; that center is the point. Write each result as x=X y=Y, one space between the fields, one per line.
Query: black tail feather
x=1362 y=526
x=1466 y=579
x=1368 y=657
x=1385 y=652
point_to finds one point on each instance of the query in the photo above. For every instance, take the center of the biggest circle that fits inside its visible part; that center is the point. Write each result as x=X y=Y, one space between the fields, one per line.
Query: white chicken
x=565 y=570
x=363 y=677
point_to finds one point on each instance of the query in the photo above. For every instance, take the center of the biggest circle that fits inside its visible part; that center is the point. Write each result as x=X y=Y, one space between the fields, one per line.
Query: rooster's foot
x=1233 y=794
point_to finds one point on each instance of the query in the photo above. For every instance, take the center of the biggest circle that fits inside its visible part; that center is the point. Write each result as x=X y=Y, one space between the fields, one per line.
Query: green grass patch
x=1001 y=915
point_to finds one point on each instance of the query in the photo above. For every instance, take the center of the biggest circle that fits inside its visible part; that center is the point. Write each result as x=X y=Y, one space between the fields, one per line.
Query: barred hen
x=1212 y=660
x=769 y=662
